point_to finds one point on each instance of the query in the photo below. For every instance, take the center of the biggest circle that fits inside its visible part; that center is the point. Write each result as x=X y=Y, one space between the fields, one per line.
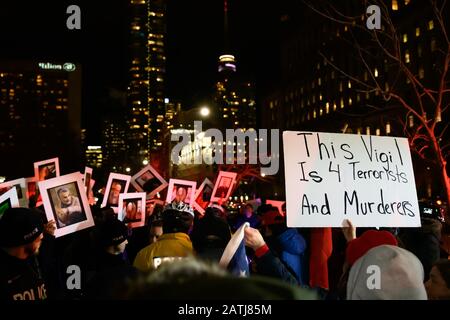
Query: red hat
x=368 y=240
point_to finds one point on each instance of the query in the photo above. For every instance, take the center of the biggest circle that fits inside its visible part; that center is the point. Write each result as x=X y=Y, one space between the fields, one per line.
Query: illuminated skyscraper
x=147 y=78
x=234 y=97
x=40 y=115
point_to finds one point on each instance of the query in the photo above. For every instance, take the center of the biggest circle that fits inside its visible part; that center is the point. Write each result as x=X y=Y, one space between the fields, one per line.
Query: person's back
x=174 y=242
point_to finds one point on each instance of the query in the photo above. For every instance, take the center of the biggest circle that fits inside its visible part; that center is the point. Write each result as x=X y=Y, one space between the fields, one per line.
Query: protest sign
x=366 y=179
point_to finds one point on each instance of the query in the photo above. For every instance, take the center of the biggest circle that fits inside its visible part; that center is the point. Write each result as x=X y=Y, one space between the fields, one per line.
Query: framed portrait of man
x=149 y=180
x=46 y=169
x=8 y=200
x=223 y=187
x=65 y=202
x=181 y=191
x=117 y=184
x=203 y=196
x=21 y=187
x=132 y=209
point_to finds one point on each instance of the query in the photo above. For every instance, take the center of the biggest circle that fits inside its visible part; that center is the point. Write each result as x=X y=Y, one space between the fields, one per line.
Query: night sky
x=195 y=39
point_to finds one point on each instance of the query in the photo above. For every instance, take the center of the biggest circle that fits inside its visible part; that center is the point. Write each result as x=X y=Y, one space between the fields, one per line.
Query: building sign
x=68 y=66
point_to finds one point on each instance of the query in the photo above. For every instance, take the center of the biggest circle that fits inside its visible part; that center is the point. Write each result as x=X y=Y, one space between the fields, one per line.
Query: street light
x=204 y=111
x=145 y=162
x=128 y=169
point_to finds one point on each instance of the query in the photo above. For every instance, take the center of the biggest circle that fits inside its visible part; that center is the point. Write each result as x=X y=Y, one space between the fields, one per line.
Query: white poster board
x=366 y=179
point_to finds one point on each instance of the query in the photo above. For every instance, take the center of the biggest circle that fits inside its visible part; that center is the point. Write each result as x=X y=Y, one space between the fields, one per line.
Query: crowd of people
x=176 y=254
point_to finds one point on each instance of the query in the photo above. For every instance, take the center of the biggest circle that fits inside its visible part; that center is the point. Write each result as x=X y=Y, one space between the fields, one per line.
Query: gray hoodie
x=386 y=273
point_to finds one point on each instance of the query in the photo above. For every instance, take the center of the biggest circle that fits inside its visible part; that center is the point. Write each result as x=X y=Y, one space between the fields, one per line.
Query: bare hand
x=253 y=238
x=349 y=230
x=50 y=228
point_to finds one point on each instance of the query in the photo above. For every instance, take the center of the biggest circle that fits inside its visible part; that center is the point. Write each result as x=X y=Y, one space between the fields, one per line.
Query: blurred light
x=263 y=174
x=204 y=111
x=2 y=179
x=128 y=169
x=438 y=202
x=145 y=162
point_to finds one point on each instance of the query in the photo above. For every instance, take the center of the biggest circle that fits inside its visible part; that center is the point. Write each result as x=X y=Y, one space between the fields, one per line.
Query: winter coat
x=168 y=245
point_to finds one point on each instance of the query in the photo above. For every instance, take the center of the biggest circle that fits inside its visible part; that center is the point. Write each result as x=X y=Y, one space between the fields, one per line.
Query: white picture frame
x=21 y=188
x=149 y=174
x=224 y=185
x=112 y=199
x=132 y=209
x=175 y=184
x=201 y=206
x=70 y=216
x=51 y=165
x=87 y=179
x=8 y=200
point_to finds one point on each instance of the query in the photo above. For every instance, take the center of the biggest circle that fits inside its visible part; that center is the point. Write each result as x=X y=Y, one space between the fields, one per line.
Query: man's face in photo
x=65 y=197
x=115 y=191
x=181 y=194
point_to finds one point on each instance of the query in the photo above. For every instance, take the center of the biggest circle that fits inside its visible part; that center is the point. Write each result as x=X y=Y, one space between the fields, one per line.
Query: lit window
x=368 y=130
x=421 y=73
x=349 y=84
x=378 y=132
x=340 y=86
x=407 y=2
x=327 y=107
x=411 y=121
x=319 y=81
x=320 y=97
x=433 y=44
x=394 y=5
x=350 y=101
x=430 y=25
x=334 y=106
x=417 y=32
x=358 y=97
x=342 y=103
x=405 y=38
x=407 y=57
x=320 y=112
x=388 y=128
x=314 y=113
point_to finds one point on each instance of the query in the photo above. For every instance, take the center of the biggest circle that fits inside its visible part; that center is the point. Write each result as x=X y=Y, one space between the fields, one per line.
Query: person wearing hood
x=210 y=235
x=386 y=273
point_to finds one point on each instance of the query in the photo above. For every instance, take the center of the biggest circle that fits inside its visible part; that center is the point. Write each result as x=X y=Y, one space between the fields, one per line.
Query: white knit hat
x=400 y=276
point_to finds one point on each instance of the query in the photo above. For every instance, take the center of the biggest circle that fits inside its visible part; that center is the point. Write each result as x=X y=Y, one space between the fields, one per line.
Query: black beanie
x=19 y=226
x=113 y=232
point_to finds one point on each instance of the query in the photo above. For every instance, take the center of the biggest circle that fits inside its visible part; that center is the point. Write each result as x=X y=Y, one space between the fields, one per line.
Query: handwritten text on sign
x=332 y=177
